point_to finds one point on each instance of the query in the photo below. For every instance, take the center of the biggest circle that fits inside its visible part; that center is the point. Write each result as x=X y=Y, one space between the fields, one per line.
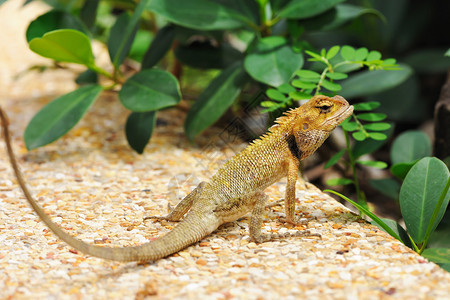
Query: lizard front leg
x=289 y=204
x=182 y=208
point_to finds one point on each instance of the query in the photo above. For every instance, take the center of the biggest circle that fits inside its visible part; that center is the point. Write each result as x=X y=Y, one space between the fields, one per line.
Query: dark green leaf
x=331 y=86
x=205 y=56
x=377 y=126
x=66 y=45
x=87 y=77
x=198 y=14
x=437 y=255
x=397 y=228
x=372 y=117
x=150 y=90
x=336 y=76
x=387 y=186
x=215 y=99
x=420 y=193
x=139 y=128
x=302 y=9
x=373 y=164
x=159 y=46
x=339 y=181
x=372 y=82
x=121 y=38
x=59 y=116
x=410 y=146
x=401 y=169
x=307 y=74
x=334 y=159
x=429 y=61
x=88 y=12
x=53 y=20
x=366 y=106
x=273 y=61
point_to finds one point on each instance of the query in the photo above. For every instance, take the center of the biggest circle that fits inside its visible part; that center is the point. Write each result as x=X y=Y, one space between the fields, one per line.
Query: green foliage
x=424 y=198
x=139 y=128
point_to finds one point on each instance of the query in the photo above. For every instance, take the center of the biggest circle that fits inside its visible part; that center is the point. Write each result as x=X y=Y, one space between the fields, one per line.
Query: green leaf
x=377 y=126
x=339 y=181
x=59 y=116
x=276 y=95
x=372 y=82
x=359 y=136
x=332 y=52
x=207 y=56
x=159 y=46
x=66 y=45
x=410 y=146
x=397 y=228
x=315 y=56
x=303 y=85
x=150 y=90
x=447 y=53
x=286 y=88
x=369 y=145
x=337 y=76
x=198 y=14
x=372 y=117
x=419 y=195
x=302 y=9
x=215 y=99
x=401 y=169
x=437 y=255
x=331 y=86
x=428 y=61
x=348 y=53
x=378 y=136
x=121 y=38
x=373 y=55
x=307 y=74
x=273 y=61
x=361 y=54
x=366 y=106
x=88 y=13
x=297 y=96
x=361 y=208
x=139 y=129
x=350 y=126
x=387 y=186
x=87 y=77
x=373 y=164
x=53 y=20
x=334 y=159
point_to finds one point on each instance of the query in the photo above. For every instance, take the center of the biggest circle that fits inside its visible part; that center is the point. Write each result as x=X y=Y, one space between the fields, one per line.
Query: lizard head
x=315 y=120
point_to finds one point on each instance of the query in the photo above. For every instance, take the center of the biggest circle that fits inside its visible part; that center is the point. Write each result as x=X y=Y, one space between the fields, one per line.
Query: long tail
x=189 y=231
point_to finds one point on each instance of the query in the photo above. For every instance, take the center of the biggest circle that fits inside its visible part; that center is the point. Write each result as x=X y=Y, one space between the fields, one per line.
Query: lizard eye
x=324 y=108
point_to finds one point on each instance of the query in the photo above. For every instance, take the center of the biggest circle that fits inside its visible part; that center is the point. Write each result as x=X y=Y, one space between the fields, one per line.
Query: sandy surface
x=97 y=189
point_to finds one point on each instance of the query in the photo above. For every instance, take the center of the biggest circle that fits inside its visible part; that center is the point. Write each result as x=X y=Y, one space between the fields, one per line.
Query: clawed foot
x=276 y=236
x=295 y=222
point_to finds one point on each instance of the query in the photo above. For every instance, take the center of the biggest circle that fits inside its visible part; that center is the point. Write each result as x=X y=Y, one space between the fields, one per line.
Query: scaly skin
x=236 y=189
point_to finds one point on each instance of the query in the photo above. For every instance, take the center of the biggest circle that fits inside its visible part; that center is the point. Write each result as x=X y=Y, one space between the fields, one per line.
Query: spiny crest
x=287 y=117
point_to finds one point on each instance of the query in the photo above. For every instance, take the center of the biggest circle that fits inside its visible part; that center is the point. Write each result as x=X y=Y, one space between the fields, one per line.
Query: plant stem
x=436 y=210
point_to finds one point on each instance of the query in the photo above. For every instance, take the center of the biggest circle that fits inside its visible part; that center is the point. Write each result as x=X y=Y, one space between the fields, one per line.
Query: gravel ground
x=97 y=189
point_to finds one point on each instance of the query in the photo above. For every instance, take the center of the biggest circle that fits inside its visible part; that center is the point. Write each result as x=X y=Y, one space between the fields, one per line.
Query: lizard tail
x=191 y=230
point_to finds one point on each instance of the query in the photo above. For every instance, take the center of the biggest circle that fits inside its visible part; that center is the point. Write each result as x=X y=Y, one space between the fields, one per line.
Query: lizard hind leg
x=257 y=219
x=182 y=207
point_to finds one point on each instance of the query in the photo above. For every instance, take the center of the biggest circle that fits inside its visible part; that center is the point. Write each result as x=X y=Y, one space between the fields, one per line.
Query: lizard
x=235 y=190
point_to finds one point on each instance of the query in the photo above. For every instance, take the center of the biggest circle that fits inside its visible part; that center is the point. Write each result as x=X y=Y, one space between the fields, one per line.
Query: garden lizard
x=236 y=189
